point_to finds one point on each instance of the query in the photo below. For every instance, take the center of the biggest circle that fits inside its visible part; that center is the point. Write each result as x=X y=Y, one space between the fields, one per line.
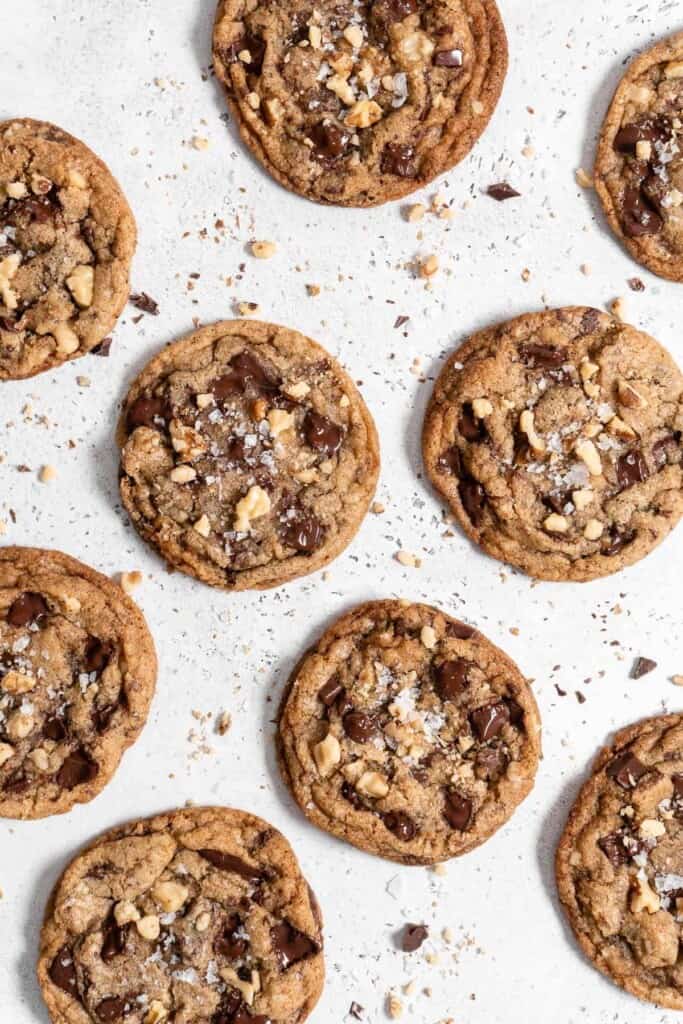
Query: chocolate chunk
x=304 y=532
x=638 y=217
x=330 y=141
x=322 y=434
x=457 y=810
x=246 y=374
x=677 y=780
x=449 y=462
x=356 y=1011
x=448 y=58
x=451 y=678
x=359 y=727
x=102 y=716
x=113 y=942
x=144 y=412
x=616 y=541
x=490 y=763
x=649 y=130
x=641 y=667
x=5 y=323
x=103 y=349
x=626 y=770
x=545 y=357
x=112 y=1009
x=473 y=498
x=400 y=824
x=399 y=159
x=413 y=936
x=32 y=210
x=76 y=769
x=488 y=720
x=291 y=945
x=143 y=301
x=613 y=848
x=471 y=428
x=229 y=862
x=664 y=448
x=502 y=191
x=16 y=783
x=233 y=1011
x=229 y=943
x=54 y=729
x=632 y=469
x=27 y=609
x=257 y=50
x=97 y=655
x=352 y=797
x=390 y=11
x=62 y=972
x=590 y=321
x=460 y=630
x=330 y=691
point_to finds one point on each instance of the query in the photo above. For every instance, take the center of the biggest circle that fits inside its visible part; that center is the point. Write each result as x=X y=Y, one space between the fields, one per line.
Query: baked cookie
x=67 y=237
x=357 y=103
x=248 y=455
x=408 y=734
x=639 y=166
x=620 y=859
x=200 y=916
x=77 y=675
x=556 y=440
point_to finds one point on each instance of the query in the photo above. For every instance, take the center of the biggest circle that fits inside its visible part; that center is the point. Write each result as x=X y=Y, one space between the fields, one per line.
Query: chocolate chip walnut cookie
x=356 y=103
x=77 y=675
x=67 y=237
x=200 y=916
x=556 y=439
x=620 y=861
x=639 y=166
x=408 y=734
x=248 y=456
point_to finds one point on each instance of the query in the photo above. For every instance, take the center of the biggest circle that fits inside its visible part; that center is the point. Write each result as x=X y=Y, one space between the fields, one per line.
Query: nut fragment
x=8 y=268
x=263 y=250
x=650 y=828
x=19 y=725
x=341 y=88
x=372 y=784
x=590 y=456
x=81 y=284
x=394 y=1006
x=170 y=896
x=354 y=35
x=583 y=178
x=629 y=397
x=130 y=580
x=481 y=407
x=555 y=523
x=6 y=752
x=203 y=922
x=183 y=474
x=16 y=682
x=644 y=898
x=674 y=69
x=416 y=48
x=363 y=114
x=16 y=190
x=125 y=912
x=40 y=759
x=279 y=420
x=593 y=529
x=47 y=474
x=428 y=637
x=187 y=442
x=247 y=989
x=582 y=499
x=149 y=927
x=429 y=266
x=528 y=427
x=619 y=428
x=67 y=340
x=327 y=754
x=202 y=526
x=253 y=505
x=297 y=390
x=156 y=1012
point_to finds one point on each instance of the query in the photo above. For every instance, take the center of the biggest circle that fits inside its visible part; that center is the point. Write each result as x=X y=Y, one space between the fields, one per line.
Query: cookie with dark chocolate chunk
x=248 y=456
x=201 y=912
x=356 y=104
x=408 y=734
x=557 y=441
x=77 y=675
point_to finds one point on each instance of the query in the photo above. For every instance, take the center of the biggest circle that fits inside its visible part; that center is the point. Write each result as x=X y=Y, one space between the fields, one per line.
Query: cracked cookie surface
x=77 y=675
x=248 y=455
x=620 y=861
x=639 y=165
x=356 y=103
x=556 y=439
x=407 y=733
x=67 y=237
x=199 y=916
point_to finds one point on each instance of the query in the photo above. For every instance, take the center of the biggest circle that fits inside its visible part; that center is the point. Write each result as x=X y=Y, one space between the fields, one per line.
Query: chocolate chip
x=490 y=763
x=102 y=716
x=400 y=824
x=413 y=936
x=616 y=541
x=103 y=349
x=246 y=374
x=488 y=720
x=613 y=848
x=471 y=428
x=233 y=1011
x=97 y=655
x=143 y=301
x=114 y=941
x=457 y=810
x=473 y=498
x=390 y=11
x=330 y=141
x=649 y=130
x=257 y=50
x=448 y=58
x=665 y=447
x=290 y=945
x=449 y=462
x=322 y=434
x=639 y=218
x=76 y=769
x=304 y=532
x=62 y=972
x=545 y=357
x=27 y=609
x=398 y=159
x=641 y=667
x=626 y=770
x=144 y=412
x=112 y=1009
x=460 y=630
x=228 y=862
x=54 y=729
x=352 y=797
x=631 y=469
x=229 y=943
x=359 y=727
x=502 y=191
x=330 y=691
x=451 y=678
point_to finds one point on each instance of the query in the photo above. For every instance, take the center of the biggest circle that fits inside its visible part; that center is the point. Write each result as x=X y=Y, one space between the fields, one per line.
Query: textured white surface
x=126 y=76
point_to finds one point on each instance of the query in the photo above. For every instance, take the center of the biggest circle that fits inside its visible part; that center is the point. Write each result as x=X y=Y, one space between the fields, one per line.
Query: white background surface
x=91 y=67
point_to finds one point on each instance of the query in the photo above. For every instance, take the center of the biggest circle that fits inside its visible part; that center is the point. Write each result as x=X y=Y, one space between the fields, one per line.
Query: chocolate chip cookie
x=556 y=440
x=77 y=675
x=620 y=861
x=200 y=916
x=358 y=103
x=67 y=237
x=639 y=166
x=408 y=734
x=248 y=455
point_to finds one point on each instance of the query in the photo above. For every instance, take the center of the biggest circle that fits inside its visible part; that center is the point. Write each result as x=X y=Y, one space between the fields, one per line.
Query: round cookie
x=556 y=440
x=408 y=734
x=639 y=164
x=67 y=237
x=248 y=455
x=199 y=915
x=620 y=858
x=77 y=675
x=358 y=103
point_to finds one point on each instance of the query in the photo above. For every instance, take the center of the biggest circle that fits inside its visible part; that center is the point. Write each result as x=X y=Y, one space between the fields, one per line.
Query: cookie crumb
x=263 y=250
x=377 y=508
x=223 y=723
x=406 y=558
x=583 y=178
x=313 y=289
x=47 y=474
x=199 y=142
x=129 y=581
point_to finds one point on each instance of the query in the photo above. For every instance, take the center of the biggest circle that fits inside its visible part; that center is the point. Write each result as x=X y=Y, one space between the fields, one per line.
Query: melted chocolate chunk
x=16 y=783
x=228 y=943
x=451 y=678
x=304 y=532
x=291 y=945
x=27 y=609
x=390 y=11
x=473 y=498
x=664 y=448
x=399 y=159
x=112 y=1009
x=488 y=720
x=460 y=630
x=31 y=210
x=413 y=936
x=490 y=763
x=613 y=848
x=638 y=217
x=144 y=412
x=113 y=942
x=457 y=810
x=97 y=655
x=400 y=824
x=616 y=541
x=229 y=862
x=631 y=469
x=545 y=357
x=233 y=1011
x=648 y=130
x=626 y=770
x=322 y=434
x=62 y=972
x=76 y=769
x=449 y=462
x=352 y=797
x=330 y=140
x=247 y=375
x=471 y=428
x=502 y=191
x=102 y=716
x=330 y=691
x=448 y=58
x=54 y=729
x=359 y=727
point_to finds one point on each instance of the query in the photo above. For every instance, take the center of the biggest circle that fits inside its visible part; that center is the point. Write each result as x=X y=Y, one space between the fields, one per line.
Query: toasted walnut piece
x=590 y=456
x=40 y=185
x=19 y=725
x=555 y=523
x=353 y=35
x=76 y=180
x=16 y=190
x=47 y=474
x=481 y=407
x=674 y=69
x=203 y=921
x=415 y=212
x=149 y=927
x=618 y=428
x=6 y=752
x=407 y=558
x=279 y=421
x=315 y=37
x=156 y=1012
x=170 y=896
x=16 y=682
x=428 y=637
x=528 y=427
x=629 y=397
x=247 y=989
x=254 y=100
x=186 y=441
x=297 y=390
x=363 y=114
x=617 y=308
x=643 y=150
x=72 y=604
x=81 y=284
x=593 y=529
x=582 y=499
x=202 y=526
x=587 y=369
x=341 y=88
x=8 y=268
x=183 y=474
x=583 y=178
x=204 y=401
x=125 y=912
x=372 y=784
x=253 y=505
x=416 y=48
x=40 y=759
x=129 y=581
x=327 y=754
x=263 y=250
x=394 y=1006
x=429 y=266
x=650 y=828
x=67 y=340
x=643 y=897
